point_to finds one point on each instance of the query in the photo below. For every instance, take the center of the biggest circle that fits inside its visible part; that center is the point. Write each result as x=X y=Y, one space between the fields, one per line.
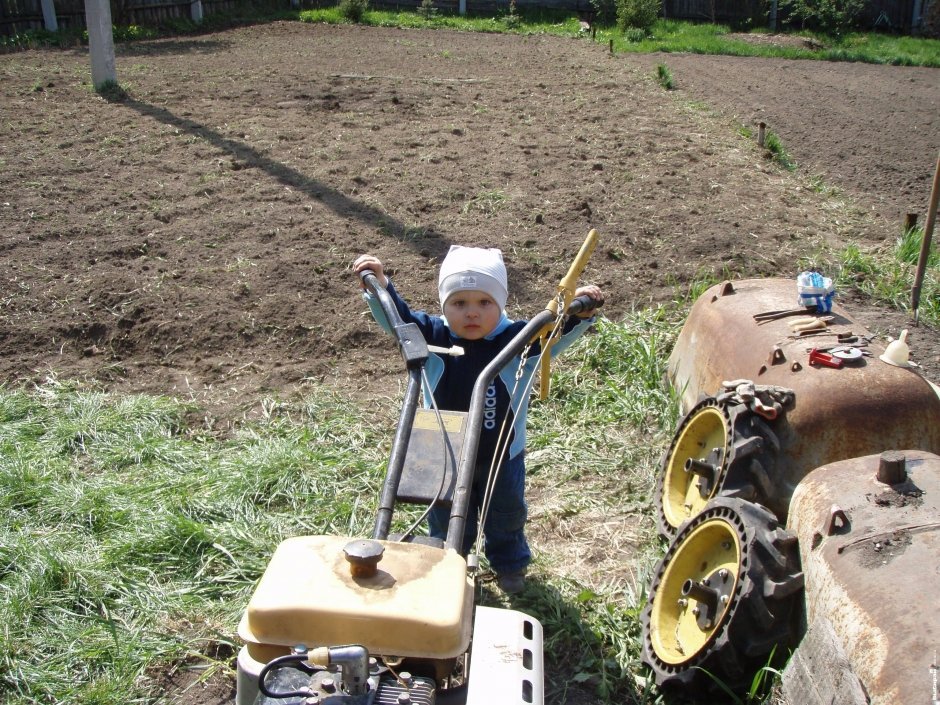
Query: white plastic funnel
x=898 y=353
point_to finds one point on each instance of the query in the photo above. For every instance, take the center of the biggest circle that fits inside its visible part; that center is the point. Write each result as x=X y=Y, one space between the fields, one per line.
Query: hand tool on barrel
x=817 y=357
x=783 y=313
x=808 y=326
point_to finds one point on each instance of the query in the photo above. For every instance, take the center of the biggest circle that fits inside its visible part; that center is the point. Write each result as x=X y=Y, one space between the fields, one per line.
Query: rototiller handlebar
x=414 y=351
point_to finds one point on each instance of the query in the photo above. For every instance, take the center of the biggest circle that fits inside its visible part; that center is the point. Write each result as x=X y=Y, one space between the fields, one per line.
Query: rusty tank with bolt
x=771 y=390
x=869 y=536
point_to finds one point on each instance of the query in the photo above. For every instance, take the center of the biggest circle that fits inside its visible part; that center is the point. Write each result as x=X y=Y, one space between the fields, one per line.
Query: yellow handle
x=569 y=282
x=566 y=289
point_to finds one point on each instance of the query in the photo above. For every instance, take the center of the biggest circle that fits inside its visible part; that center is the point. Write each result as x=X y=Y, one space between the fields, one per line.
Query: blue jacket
x=452 y=378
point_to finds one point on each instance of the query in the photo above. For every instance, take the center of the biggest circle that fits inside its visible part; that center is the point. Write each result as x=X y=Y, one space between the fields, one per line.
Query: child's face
x=472 y=315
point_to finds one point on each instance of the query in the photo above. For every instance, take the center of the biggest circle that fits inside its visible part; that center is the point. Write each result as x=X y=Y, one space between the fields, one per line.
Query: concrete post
x=100 y=41
x=195 y=10
x=48 y=16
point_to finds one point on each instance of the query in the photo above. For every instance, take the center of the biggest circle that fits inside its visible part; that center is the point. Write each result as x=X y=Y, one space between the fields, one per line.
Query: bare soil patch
x=194 y=238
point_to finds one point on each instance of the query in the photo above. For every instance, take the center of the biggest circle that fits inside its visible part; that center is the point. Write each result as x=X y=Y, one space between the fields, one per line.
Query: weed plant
x=664 y=76
x=888 y=276
x=777 y=151
x=597 y=443
x=705 y=38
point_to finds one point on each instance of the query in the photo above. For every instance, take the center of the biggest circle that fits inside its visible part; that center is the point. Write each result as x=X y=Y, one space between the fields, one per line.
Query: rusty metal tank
x=869 y=537
x=864 y=407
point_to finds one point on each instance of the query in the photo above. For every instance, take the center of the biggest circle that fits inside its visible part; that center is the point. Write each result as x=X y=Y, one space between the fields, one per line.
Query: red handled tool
x=825 y=359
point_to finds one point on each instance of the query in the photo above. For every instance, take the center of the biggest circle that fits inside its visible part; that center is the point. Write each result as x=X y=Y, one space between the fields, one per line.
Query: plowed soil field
x=194 y=236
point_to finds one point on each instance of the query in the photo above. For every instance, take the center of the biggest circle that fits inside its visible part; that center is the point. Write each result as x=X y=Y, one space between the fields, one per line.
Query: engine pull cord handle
x=558 y=305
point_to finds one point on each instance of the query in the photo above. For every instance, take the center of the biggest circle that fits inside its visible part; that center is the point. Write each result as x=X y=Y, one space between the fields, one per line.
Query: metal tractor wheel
x=727 y=593
x=718 y=450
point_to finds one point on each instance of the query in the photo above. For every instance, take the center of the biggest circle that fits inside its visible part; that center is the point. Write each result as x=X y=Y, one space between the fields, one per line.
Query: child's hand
x=595 y=293
x=374 y=264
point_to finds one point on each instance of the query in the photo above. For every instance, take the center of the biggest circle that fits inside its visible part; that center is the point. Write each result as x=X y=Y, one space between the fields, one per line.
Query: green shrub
x=640 y=14
x=353 y=10
x=833 y=17
x=427 y=10
x=512 y=20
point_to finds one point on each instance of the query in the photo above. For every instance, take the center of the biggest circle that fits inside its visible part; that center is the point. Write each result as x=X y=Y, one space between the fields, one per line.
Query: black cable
x=448 y=455
x=296 y=661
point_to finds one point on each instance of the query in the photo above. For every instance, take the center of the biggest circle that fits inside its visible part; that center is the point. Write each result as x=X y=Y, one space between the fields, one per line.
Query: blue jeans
x=504 y=542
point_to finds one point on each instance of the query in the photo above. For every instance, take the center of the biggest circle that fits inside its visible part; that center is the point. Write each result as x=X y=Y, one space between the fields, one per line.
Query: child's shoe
x=511 y=583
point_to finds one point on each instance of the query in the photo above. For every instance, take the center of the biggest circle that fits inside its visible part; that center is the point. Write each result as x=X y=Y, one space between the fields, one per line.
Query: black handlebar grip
x=582 y=304
x=369 y=281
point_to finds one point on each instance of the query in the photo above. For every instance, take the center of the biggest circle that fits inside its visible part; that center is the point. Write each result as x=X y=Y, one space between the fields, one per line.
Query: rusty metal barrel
x=865 y=406
x=869 y=551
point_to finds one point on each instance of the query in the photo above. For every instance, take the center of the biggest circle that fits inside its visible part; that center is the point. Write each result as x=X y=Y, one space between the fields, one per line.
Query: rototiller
x=341 y=620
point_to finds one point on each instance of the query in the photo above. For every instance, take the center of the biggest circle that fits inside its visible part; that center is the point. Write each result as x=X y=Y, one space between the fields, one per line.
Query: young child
x=473 y=290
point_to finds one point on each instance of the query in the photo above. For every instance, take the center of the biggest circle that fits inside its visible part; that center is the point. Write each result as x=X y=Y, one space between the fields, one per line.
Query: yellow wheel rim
x=704 y=437
x=710 y=549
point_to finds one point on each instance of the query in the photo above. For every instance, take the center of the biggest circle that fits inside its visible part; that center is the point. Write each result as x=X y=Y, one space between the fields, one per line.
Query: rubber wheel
x=719 y=449
x=727 y=595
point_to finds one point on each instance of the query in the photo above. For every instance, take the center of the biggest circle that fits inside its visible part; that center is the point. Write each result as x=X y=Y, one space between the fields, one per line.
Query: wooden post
x=910 y=222
x=611 y=46
x=195 y=10
x=925 y=244
x=761 y=133
x=48 y=16
x=100 y=41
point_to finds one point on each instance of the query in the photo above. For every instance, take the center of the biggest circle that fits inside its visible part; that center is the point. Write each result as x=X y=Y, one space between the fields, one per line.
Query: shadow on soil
x=245 y=157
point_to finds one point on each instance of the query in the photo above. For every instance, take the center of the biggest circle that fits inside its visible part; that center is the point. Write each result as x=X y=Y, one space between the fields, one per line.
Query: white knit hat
x=473 y=269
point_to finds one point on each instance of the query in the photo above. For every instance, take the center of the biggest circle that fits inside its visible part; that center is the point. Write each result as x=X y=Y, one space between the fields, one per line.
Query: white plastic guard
x=506 y=659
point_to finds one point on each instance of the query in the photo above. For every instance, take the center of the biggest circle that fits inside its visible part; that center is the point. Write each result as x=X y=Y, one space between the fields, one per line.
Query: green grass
x=887 y=274
x=131 y=534
x=130 y=539
x=677 y=36
x=528 y=22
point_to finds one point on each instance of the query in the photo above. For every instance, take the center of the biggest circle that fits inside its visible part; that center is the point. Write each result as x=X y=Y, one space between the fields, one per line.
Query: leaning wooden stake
x=925 y=244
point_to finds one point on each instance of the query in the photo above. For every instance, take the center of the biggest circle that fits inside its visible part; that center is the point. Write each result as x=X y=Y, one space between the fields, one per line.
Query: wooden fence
x=17 y=16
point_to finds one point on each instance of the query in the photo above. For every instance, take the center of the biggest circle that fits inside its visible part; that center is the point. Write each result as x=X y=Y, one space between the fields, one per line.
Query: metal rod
x=925 y=243
x=468 y=457
x=396 y=461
